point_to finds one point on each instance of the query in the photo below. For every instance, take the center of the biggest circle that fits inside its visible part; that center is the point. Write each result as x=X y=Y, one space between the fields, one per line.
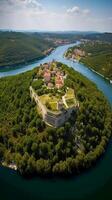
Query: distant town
x=75 y=54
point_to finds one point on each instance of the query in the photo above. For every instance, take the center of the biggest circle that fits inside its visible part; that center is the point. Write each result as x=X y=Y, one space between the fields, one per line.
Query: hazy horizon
x=53 y=16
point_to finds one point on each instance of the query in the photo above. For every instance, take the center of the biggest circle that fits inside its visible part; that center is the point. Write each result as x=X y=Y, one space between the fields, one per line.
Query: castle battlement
x=52 y=118
x=54 y=99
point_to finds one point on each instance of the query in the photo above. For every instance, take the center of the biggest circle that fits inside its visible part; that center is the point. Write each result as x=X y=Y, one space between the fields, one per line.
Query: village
x=55 y=101
x=75 y=54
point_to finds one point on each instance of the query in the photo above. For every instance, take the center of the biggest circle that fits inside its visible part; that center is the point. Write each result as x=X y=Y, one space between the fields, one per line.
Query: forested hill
x=98 y=56
x=105 y=37
x=22 y=47
x=27 y=142
x=17 y=48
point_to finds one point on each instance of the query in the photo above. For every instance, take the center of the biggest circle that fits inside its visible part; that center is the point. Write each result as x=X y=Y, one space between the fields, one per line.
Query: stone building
x=52 y=118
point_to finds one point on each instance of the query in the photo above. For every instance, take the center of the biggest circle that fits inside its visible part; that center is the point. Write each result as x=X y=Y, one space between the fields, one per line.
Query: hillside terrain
x=104 y=37
x=22 y=47
x=19 y=48
x=96 y=55
x=32 y=147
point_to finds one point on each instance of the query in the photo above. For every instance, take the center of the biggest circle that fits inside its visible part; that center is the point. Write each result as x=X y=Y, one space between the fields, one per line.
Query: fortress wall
x=53 y=120
x=36 y=98
x=57 y=121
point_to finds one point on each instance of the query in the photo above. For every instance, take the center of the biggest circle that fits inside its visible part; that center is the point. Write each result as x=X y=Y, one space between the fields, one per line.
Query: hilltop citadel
x=55 y=101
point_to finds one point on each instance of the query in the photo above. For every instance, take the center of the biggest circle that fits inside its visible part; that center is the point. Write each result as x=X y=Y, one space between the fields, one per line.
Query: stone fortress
x=59 y=110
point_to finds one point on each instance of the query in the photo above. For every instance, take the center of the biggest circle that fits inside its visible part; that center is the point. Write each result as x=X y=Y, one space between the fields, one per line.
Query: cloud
x=86 y=11
x=33 y=4
x=32 y=14
x=110 y=18
x=78 y=10
x=74 y=9
x=6 y=5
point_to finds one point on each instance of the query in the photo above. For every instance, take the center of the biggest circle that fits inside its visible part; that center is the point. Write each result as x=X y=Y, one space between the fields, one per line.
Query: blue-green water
x=93 y=184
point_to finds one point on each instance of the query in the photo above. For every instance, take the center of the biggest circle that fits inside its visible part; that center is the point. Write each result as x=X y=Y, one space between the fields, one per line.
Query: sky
x=56 y=15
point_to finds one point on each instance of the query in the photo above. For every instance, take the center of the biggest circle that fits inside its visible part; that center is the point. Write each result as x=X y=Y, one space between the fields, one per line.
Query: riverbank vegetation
x=17 y=48
x=104 y=37
x=35 y=148
x=98 y=56
x=20 y=48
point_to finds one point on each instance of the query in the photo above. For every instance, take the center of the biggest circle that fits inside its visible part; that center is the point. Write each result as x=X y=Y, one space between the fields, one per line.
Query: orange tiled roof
x=59 y=81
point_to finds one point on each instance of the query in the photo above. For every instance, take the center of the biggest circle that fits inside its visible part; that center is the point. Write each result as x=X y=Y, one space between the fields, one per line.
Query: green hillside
x=98 y=56
x=100 y=59
x=17 y=48
x=104 y=37
x=33 y=147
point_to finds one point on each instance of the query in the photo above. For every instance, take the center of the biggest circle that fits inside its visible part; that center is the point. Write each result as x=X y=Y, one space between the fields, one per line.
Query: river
x=94 y=184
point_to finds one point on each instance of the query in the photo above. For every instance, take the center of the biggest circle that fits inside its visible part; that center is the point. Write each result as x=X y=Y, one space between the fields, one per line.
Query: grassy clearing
x=70 y=93
x=53 y=105
x=52 y=100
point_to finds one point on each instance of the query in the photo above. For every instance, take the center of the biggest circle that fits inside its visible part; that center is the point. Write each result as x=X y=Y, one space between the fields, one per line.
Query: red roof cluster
x=47 y=76
x=58 y=75
x=59 y=81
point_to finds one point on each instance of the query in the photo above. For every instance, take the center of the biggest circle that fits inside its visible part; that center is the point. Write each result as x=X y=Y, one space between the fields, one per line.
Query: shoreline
x=104 y=77
x=10 y=166
x=13 y=166
x=62 y=176
x=30 y=61
x=21 y=64
x=75 y=60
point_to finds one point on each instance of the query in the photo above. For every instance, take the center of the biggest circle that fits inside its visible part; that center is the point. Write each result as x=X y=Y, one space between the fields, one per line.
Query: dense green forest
x=17 y=48
x=35 y=148
x=104 y=37
x=22 y=47
x=98 y=56
x=77 y=35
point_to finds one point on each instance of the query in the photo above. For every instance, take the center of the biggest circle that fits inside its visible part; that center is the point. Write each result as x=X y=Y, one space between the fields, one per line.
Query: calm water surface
x=94 y=184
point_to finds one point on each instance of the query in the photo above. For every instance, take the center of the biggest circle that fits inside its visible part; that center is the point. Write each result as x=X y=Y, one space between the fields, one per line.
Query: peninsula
x=53 y=121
